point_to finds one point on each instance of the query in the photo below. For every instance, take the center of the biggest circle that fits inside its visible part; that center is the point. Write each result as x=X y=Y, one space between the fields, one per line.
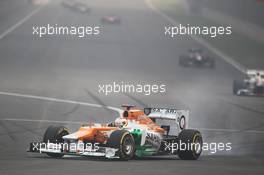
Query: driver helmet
x=120 y=122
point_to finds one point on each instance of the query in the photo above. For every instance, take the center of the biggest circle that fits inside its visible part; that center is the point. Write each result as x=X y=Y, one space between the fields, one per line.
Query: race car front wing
x=39 y=147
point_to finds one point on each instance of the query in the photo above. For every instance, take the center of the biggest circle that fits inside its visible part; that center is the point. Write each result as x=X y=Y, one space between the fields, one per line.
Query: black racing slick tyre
x=237 y=85
x=54 y=134
x=124 y=142
x=190 y=144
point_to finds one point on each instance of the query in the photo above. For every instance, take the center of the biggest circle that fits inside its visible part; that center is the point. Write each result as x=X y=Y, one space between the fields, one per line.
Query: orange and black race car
x=137 y=133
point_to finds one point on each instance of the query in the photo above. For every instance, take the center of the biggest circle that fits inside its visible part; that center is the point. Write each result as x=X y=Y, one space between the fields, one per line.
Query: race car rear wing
x=165 y=113
x=254 y=72
x=181 y=117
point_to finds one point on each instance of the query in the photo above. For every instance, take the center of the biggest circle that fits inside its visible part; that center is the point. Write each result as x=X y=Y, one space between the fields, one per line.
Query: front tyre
x=54 y=134
x=238 y=85
x=190 y=144
x=124 y=142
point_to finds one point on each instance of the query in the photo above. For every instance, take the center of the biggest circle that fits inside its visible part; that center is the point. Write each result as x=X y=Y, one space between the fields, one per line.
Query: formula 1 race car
x=251 y=85
x=137 y=133
x=111 y=19
x=196 y=58
x=77 y=5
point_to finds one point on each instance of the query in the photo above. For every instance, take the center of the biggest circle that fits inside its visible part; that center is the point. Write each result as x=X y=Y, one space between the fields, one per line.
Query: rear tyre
x=124 y=142
x=194 y=139
x=237 y=85
x=54 y=134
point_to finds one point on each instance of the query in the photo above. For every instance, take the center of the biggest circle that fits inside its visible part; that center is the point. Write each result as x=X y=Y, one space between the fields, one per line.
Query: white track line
x=42 y=121
x=60 y=100
x=19 y=23
x=231 y=130
x=201 y=41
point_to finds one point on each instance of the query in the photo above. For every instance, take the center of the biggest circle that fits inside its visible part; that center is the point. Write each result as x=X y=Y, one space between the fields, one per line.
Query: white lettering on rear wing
x=180 y=116
x=165 y=113
x=254 y=71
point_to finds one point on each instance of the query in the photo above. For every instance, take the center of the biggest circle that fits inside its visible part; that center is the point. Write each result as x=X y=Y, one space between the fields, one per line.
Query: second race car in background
x=251 y=85
x=196 y=58
x=77 y=5
x=111 y=19
x=38 y=2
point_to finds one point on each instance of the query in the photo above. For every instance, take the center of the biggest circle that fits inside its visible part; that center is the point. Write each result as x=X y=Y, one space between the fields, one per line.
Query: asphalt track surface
x=135 y=51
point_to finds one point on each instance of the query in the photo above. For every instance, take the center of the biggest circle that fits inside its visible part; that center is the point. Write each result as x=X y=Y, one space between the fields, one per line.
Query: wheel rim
x=127 y=146
x=198 y=145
